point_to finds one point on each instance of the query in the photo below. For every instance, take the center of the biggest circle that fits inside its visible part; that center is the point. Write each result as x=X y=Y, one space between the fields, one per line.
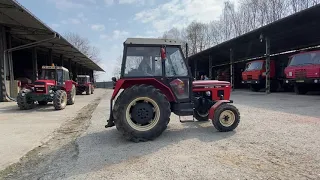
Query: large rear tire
x=24 y=103
x=88 y=89
x=72 y=95
x=92 y=89
x=60 y=100
x=141 y=113
x=226 y=118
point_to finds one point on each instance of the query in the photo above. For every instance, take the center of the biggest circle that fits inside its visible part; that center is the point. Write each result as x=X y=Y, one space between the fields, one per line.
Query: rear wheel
x=92 y=89
x=88 y=89
x=42 y=103
x=141 y=113
x=300 y=89
x=60 y=100
x=226 y=118
x=72 y=95
x=25 y=103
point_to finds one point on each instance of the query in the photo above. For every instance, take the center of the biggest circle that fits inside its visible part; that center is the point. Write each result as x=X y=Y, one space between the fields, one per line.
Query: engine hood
x=202 y=83
x=48 y=82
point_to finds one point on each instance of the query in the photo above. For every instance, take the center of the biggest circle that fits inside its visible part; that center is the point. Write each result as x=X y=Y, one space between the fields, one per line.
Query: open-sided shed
x=26 y=42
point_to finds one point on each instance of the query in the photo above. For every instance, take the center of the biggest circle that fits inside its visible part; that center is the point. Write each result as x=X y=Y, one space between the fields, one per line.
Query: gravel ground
x=277 y=138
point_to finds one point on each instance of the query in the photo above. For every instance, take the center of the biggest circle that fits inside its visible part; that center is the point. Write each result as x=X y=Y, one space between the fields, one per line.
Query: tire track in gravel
x=47 y=159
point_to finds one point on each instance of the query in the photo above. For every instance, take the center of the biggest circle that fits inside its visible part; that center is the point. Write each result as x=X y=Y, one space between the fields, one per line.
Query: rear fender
x=68 y=85
x=126 y=83
x=215 y=106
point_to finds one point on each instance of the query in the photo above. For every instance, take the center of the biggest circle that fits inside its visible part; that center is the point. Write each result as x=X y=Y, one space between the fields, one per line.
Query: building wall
x=2 y=64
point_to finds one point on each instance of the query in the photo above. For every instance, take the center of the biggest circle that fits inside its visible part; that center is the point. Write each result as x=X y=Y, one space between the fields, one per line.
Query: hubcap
x=142 y=114
x=227 y=118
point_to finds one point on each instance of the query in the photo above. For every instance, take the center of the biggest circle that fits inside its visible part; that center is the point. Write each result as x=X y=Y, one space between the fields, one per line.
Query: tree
x=83 y=45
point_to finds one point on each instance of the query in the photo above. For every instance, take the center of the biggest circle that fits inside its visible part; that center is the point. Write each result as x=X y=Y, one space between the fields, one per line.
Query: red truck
x=303 y=71
x=255 y=74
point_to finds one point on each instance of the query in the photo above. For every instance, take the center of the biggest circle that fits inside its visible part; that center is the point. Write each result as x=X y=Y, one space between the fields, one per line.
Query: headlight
x=23 y=94
x=287 y=81
x=316 y=81
x=50 y=91
x=51 y=95
x=208 y=93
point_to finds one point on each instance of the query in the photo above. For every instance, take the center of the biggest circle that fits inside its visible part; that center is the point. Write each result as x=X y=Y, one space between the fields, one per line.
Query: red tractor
x=54 y=86
x=84 y=85
x=156 y=81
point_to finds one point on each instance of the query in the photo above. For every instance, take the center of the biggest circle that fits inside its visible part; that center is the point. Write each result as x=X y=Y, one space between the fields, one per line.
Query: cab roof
x=54 y=67
x=153 y=41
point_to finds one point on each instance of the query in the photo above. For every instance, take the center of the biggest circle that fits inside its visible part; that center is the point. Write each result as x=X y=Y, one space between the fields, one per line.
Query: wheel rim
x=143 y=119
x=227 y=118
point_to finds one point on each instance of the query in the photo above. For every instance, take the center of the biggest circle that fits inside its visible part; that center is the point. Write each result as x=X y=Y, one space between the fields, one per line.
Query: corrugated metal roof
x=25 y=25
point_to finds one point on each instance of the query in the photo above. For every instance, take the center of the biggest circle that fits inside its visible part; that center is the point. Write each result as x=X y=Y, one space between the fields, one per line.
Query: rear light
x=178 y=85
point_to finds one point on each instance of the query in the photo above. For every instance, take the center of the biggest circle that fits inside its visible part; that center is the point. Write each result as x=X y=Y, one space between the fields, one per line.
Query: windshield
x=175 y=64
x=256 y=65
x=142 y=61
x=82 y=80
x=305 y=58
x=49 y=74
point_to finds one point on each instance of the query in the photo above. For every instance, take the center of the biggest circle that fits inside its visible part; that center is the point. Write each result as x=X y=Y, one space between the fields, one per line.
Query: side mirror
x=114 y=79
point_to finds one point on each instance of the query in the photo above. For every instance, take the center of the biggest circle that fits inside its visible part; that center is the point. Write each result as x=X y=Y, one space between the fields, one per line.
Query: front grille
x=300 y=74
x=249 y=77
x=40 y=87
x=221 y=94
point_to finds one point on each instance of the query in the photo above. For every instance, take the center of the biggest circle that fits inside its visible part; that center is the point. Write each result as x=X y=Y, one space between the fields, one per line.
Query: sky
x=107 y=23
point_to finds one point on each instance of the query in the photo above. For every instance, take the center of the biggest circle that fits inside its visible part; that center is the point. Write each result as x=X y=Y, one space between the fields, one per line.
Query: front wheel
x=88 y=89
x=300 y=89
x=141 y=113
x=226 y=118
x=60 y=100
x=25 y=103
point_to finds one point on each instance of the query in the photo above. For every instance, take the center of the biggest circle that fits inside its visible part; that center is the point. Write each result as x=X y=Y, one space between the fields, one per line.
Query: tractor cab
x=83 y=79
x=56 y=75
x=160 y=59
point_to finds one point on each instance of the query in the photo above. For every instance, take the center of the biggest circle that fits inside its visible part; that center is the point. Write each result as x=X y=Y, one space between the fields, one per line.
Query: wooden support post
x=232 y=69
x=61 y=59
x=267 y=65
x=50 y=59
x=34 y=64
x=210 y=67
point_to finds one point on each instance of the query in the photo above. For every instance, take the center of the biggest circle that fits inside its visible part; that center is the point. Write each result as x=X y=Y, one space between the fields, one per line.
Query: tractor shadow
x=100 y=150
x=37 y=108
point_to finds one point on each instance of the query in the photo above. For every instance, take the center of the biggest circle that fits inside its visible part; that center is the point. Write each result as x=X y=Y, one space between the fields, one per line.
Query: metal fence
x=107 y=85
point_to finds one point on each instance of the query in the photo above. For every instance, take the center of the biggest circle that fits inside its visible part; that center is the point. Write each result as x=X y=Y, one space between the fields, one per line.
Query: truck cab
x=303 y=71
x=255 y=74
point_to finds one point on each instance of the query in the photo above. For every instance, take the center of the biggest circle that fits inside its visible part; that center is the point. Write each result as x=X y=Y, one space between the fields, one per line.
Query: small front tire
x=226 y=118
x=23 y=101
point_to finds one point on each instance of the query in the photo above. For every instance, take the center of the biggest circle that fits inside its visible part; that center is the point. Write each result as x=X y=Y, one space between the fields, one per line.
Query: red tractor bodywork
x=54 y=80
x=84 y=84
x=303 y=71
